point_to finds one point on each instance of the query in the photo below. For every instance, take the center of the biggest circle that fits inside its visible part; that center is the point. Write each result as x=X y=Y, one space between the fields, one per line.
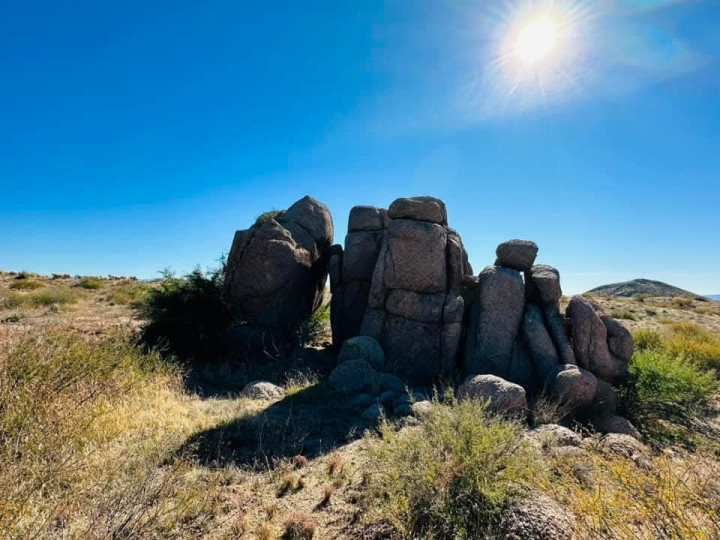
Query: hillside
x=646 y=287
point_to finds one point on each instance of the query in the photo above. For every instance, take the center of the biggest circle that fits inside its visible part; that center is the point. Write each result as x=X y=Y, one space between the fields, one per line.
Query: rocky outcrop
x=538 y=518
x=404 y=300
x=591 y=341
x=276 y=271
x=351 y=270
x=414 y=306
x=497 y=306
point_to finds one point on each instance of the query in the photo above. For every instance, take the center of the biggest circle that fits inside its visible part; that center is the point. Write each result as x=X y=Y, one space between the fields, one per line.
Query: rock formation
x=404 y=300
x=414 y=308
x=351 y=270
x=276 y=271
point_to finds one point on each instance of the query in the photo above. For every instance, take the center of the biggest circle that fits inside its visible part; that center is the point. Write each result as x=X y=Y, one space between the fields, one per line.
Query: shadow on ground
x=310 y=422
x=227 y=379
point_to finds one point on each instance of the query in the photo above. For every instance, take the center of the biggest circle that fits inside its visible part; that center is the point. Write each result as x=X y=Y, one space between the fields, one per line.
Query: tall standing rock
x=591 y=344
x=496 y=311
x=351 y=271
x=542 y=284
x=276 y=271
x=414 y=305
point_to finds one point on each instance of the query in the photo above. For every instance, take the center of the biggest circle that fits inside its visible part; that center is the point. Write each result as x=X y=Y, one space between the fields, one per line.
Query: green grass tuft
x=451 y=477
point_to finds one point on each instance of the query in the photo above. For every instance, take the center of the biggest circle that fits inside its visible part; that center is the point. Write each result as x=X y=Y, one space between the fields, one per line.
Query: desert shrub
x=25 y=285
x=624 y=314
x=24 y=274
x=449 y=478
x=682 y=302
x=130 y=293
x=647 y=339
x=694 y=342
x=665 y=394
x=90 y=282
x=315 y=326
x=47 y=296
x=674 y=496
x=299 y=527
x=188 y=317
x=267 y=217
x=87 y=434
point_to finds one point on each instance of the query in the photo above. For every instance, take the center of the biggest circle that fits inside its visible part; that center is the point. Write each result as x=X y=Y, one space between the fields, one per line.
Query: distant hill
x=640 y=286
x=713 y=296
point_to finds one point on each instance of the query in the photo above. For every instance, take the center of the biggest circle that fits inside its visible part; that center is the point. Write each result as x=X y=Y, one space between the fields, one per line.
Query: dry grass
x=94 y=443
x=673 y=495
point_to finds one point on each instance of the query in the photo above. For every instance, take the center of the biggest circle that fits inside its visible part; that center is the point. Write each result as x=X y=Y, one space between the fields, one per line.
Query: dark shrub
x=188 y=317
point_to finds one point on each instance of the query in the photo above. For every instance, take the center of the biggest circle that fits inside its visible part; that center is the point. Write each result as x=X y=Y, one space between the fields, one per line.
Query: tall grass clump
x=670 y=496
x=90 y=282
x=316 y=326
x=451 y=477
x=87 y=432
x=666 y=394
x=25 y=285
x=188 y=317
x=129 y=293
x=695 y=342
x=47 y=296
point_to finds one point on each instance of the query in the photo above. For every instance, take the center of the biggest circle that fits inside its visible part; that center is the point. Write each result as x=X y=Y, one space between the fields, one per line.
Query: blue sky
x=141 y=135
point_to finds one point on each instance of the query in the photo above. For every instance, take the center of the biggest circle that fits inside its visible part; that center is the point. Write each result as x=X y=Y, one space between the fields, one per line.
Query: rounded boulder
x=503 y=396
x=363 y=348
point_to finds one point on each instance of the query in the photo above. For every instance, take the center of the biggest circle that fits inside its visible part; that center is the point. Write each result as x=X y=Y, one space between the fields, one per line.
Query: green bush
x=25 y=285
x=647 y=339
x=130 y=293
x=92 y=283
x=315 y=326
x=188 y=317
x=696 y=343
x=451 y=477
x=665 y=394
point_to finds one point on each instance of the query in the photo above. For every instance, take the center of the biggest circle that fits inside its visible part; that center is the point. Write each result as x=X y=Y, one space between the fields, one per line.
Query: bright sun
x=536 y=41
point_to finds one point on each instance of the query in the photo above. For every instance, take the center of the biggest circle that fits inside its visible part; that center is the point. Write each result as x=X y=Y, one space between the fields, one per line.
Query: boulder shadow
x=311 y=422
x=228 y=378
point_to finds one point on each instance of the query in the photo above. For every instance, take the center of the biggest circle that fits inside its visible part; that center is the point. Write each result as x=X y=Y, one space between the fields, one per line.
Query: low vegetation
x=452 y=476
x=100 y=438
x=87 y=434
x=187 y=317
x=90 y=282
x=667 y=395
x=44 y=297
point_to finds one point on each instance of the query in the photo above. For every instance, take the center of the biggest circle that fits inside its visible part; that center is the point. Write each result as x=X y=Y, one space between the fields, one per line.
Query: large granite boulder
x=571 y=386
x=538 y=518
x=503 y=396
x=276 y=270
x=542 y=287
x=516 y=254
x=414 y=306
x=351 y=271
x=591 y=341
x=496 y=311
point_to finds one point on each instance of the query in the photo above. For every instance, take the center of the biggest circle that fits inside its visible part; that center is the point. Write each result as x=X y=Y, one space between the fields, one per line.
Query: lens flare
x=536 y=40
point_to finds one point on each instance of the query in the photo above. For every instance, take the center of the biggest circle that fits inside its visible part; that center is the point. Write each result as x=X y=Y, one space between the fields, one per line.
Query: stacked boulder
x=276 y=271
x=415 y=308
x=351 y=270
x=515 y=331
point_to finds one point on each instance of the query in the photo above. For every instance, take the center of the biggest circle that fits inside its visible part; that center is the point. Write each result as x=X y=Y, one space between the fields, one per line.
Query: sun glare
x=536 y=40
